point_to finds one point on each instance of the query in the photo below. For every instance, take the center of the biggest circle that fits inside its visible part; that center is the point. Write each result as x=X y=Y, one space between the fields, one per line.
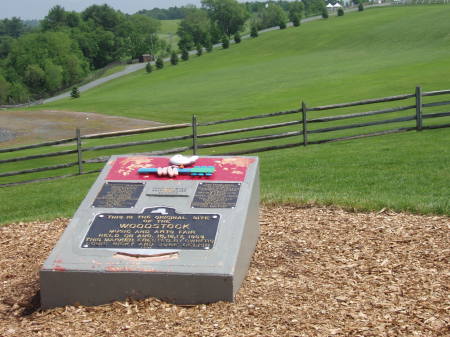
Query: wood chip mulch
x=316 y=272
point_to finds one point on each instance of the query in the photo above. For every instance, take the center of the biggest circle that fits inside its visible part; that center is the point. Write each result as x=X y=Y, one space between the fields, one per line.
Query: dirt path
x=27 y=127
x=316 y=272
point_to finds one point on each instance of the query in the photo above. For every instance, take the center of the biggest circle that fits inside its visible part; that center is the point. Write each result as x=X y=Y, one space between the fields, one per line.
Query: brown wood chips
x=316 y=272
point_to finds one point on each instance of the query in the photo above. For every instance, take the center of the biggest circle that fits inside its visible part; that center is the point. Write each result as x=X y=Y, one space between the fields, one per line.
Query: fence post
x=304 y=121
x=79 y=151
x=194 y=134
x=419 y=109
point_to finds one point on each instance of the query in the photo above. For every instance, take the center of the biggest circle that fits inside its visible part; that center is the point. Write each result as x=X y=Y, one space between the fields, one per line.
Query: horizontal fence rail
x=303 y=125
x=137 y=131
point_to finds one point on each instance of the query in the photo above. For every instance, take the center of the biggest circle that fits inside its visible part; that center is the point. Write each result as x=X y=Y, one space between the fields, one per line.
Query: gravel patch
x=316 y=272
x=6 y=135
x=30 y=127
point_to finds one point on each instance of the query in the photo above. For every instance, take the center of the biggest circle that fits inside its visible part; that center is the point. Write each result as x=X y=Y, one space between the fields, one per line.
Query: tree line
x=66 y=46
x=220 y=20
x=40 y=59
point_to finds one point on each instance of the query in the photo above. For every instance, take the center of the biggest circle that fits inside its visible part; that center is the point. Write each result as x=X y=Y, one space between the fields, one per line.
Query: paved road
x=138 y=66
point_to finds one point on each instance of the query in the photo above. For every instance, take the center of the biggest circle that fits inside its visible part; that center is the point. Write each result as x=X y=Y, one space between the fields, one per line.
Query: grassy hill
x=374 y=53
x=168 y=32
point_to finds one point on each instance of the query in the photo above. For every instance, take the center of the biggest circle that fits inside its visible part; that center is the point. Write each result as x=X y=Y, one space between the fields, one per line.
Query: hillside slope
x=374 y=53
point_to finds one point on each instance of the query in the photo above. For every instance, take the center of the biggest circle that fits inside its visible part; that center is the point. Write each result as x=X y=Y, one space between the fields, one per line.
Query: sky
x=38 y=9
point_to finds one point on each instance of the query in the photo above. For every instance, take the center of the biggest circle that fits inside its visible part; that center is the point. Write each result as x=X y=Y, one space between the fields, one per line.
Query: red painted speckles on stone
x=59 y=268
x=118 y=269
x=227 y=169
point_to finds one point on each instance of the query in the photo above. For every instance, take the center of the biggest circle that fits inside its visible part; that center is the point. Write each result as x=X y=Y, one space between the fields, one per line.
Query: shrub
x=184 y=55
x=159 y=62
x=225 y=42
x=75 y=93
x=282 y=25
x=360 y=7
x=209 y=46
x=296 y=21
x=237 y=38
x=199 y=49
x=340 y=12
x=325 y=13
x=254 y=31
x=148 y=68
x=174 y=58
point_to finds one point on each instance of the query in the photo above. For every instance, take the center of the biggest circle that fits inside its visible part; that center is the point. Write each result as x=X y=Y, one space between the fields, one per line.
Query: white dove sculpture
x=181 y=160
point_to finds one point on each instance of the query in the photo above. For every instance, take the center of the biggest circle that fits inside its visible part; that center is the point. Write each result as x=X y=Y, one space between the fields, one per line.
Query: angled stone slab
x=186 y=240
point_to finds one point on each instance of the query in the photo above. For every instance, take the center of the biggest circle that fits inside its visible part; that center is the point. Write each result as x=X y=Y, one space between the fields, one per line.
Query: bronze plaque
x=216 y=195
x=118 y=195
x=155 y=228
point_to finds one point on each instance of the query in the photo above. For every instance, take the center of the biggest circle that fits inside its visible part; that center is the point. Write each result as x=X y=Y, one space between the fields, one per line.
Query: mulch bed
x=316 y=272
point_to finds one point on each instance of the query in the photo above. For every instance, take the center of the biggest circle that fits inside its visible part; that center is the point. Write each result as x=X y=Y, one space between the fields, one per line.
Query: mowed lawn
x=375 y=53
x=402 y=172
x=168 y=32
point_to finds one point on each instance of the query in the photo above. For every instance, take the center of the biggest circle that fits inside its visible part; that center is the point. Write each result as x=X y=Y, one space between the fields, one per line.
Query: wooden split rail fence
x=303 y=131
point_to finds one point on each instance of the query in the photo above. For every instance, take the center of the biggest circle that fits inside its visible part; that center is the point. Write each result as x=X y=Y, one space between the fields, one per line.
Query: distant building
x=146 y=58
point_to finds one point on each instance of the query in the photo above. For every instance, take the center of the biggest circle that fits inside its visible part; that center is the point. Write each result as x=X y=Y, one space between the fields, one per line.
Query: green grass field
x=376 y=53
x=169 y=26
x=168 y=32
x=403 y=172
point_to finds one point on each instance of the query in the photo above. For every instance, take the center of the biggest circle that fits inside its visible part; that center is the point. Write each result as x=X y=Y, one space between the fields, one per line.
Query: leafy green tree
x=53 y=76
x=148 y=68
x=73 y=19
x=254 y=31
x=5 y=45
x=237 y=37
x=209 y=46
x=75 y=93
x=325 y=13
x=32 y=53
x=142 y=38
x=4 y=90
x=184 y=55
x=199 y=50
x=159 y=63
x=34 y=78
x=174 y=58
x=229 y=15
x=225 y=43
x=194 y=29
x=18 y=93
x=340 y=12
x=74 y=69
x=271 y=16
x=313 y=7
x=104 y=16
x=296 y=9
x=186 y=44
x=103 y=47
x=13 y=27
x=55 y=19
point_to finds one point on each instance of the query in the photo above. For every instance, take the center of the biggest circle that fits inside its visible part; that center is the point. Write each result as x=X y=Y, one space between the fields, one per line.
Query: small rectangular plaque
x=118 y=195
x=168 y=192
x=155 y=228
x=216 y=195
